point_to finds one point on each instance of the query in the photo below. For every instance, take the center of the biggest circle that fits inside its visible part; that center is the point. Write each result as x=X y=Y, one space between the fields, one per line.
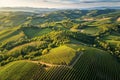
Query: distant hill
x=27 y=9
x=101 y=8
x=38 y=10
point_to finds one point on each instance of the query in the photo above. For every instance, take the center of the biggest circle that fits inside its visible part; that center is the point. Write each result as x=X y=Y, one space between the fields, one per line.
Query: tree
x=45 y=51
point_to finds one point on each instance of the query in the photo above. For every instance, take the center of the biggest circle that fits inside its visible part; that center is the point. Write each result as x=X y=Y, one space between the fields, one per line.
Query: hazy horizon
x=60 y=3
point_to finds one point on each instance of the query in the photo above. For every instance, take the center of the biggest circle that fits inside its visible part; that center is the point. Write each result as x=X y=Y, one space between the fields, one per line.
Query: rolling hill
x=60 y=44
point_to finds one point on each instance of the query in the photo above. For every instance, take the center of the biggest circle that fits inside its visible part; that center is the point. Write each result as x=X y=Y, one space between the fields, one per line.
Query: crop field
x=93 y=64
x=59 y=44
x=61 y=55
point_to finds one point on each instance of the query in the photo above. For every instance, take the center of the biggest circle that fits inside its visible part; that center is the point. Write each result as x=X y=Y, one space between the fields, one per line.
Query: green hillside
x=60 y=45
x=60 y=55
x=20 y=70
x=93 y=64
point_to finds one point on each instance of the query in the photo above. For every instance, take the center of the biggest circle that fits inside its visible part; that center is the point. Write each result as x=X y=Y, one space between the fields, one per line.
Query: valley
x=58 y=44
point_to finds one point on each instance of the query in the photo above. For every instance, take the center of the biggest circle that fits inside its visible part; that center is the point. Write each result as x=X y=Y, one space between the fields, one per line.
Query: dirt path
x=52 y=65
x=76 y=59
x=43 y=63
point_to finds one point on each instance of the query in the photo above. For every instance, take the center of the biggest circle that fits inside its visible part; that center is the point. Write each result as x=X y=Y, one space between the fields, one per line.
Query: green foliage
x=93 y=64
x=45 y=51
x=26 y=48
x=58 y=39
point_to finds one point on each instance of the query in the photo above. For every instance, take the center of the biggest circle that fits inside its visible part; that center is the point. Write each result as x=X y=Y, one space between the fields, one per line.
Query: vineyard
x=60 y=44
x=91 y=66
x=61 y=55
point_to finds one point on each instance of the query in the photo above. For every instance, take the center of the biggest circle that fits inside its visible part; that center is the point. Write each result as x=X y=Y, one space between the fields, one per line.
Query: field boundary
x=74 y=62
x=54 y=65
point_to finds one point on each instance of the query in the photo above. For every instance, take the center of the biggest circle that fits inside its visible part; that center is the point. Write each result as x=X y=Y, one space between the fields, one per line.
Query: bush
x=45 y=51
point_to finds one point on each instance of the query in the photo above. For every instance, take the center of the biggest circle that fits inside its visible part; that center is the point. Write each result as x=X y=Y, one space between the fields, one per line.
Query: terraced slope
x=94 y=64
x=60 y=55
x=20 y=70
x=60 y=45
x=100 y=66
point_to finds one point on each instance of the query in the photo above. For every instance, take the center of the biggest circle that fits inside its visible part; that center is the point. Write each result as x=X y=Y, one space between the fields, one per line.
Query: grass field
x=34 y=32
x=113 y=38
x=92 y=30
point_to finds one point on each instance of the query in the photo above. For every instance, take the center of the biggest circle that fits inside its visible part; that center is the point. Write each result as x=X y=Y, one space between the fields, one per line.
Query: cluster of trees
x=111 y=48
x=10 y=45
x=30 y=48
x=55 y=38
x=58 y=37
x=107 y=29
x=79 y=26
x=87 y=39
x=25 y=51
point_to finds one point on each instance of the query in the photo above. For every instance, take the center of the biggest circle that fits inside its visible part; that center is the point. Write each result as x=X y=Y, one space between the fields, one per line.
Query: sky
x=59 y=3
